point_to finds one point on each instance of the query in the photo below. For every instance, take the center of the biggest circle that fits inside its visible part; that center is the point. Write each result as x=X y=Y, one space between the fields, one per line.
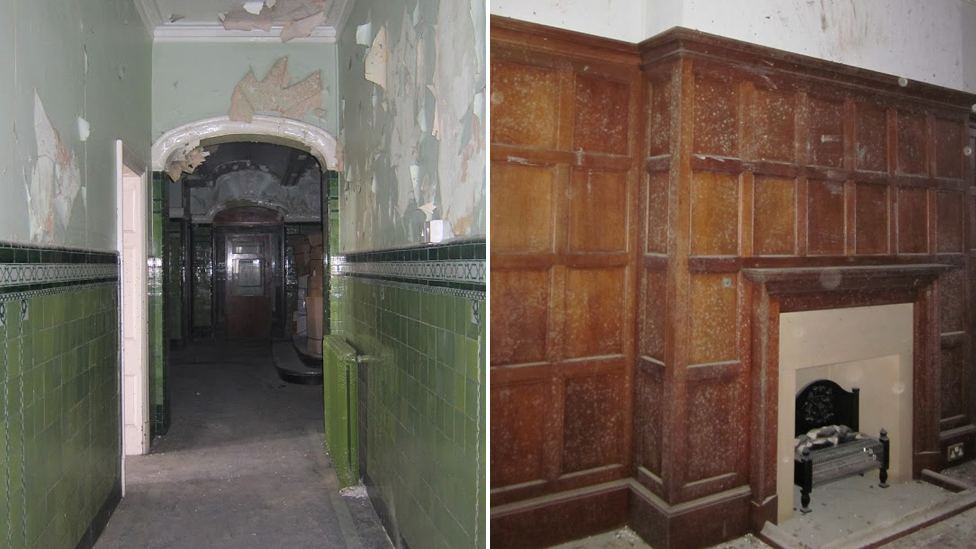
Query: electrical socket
x=955 y=451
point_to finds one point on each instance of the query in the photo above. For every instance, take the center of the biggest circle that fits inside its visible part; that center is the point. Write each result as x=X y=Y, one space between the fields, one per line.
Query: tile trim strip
x=464 y=272
x=456 y=268
x=54 y=290
x=429 y=288
x=16 y=275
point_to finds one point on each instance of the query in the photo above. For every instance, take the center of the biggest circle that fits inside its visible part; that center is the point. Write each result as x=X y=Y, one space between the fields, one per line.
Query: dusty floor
x=242 y=465
x=958 y=532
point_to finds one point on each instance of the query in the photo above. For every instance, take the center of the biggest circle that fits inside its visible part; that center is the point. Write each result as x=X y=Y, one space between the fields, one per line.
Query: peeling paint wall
x=931 y=41
x=193 y=81
x=412 y=79
x=74 y=76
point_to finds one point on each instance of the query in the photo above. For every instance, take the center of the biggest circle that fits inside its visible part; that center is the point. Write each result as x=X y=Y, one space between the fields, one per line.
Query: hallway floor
x=242 y=466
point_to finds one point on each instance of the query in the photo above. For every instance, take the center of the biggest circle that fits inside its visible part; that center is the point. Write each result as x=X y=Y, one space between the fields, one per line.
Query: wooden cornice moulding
x=505 y=31
x=801 y=280
x=679 y=43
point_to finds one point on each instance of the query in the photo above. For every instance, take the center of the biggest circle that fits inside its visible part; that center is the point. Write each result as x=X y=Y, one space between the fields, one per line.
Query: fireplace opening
x=869 y=348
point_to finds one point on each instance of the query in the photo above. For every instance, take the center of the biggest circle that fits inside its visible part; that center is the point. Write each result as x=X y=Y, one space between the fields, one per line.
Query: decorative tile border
x=6 y=298
x=467 y=271
x=19 y=274
x=456 y=269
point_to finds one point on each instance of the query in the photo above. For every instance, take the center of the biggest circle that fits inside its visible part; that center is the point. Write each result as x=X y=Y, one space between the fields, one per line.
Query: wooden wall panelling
x=565 y=270
x=750 y=160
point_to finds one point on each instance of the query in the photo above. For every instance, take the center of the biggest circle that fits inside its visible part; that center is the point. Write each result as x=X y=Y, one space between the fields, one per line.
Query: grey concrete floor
x=242 y=466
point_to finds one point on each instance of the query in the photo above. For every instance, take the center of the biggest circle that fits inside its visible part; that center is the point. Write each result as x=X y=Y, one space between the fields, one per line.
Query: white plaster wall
x=193 y=81
x=932 y=41
x=89 y=59
x=619 y=19
x=917 y=40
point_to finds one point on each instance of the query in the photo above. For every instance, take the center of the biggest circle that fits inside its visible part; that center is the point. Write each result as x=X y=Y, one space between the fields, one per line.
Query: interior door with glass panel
x=248 y=294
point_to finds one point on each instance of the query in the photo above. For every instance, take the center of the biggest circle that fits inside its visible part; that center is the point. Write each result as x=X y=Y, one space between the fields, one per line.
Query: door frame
x=131 y=232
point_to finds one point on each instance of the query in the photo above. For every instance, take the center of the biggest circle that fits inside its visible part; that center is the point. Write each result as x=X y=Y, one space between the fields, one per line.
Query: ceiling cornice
x=197 y=32
x=149 y=13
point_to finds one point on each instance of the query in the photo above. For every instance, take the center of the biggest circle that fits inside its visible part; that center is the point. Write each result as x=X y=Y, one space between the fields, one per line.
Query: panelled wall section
x=643 y=219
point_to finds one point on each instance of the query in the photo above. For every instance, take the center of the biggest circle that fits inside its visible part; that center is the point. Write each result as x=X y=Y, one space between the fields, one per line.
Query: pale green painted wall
x=42 y=48
x=429 y=114
x=193 y=81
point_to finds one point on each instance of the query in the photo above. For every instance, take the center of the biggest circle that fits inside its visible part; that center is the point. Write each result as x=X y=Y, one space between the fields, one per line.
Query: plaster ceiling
x=201 y=20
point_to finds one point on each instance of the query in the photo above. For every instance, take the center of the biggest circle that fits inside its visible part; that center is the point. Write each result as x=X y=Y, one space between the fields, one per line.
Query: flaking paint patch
x=298 y=18
x=185 y=160
x=377 y=59
x=276 y=94
x=55 y=181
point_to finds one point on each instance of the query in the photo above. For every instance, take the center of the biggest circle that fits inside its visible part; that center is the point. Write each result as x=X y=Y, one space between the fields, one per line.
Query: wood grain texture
x=762 y=172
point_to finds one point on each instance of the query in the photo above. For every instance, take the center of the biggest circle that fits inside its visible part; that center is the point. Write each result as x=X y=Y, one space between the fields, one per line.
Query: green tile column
x=158 y=352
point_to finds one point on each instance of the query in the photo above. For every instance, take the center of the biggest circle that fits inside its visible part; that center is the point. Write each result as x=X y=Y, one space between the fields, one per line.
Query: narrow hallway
x=242 y=465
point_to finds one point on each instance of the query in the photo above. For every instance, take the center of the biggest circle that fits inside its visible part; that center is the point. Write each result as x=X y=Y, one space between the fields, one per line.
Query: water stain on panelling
x=55 y=181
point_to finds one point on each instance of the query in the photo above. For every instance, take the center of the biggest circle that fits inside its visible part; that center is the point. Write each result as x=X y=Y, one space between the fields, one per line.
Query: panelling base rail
x=881 y=534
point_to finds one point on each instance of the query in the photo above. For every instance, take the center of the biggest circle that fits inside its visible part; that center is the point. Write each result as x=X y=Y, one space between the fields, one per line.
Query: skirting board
x=557 y=518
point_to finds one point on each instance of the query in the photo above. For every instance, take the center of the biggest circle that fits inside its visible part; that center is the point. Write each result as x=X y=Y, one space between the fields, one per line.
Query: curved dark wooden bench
x=822 y=403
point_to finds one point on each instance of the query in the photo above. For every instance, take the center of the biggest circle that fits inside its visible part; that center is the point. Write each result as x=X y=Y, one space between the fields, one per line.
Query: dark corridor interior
x=245 y=234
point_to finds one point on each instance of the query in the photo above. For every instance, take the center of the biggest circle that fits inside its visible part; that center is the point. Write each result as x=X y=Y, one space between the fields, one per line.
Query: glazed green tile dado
x=60 y=406
x=422 y=391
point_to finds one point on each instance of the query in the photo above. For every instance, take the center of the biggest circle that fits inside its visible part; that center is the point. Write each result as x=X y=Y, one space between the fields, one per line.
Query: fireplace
x=865 y=347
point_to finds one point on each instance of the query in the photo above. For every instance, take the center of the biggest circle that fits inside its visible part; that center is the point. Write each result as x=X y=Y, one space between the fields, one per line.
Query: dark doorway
x=247 y=243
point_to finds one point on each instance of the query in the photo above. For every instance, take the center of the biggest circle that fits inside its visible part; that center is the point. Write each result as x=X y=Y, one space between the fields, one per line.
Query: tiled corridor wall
x=59 y=396
x=158 y=344
x=419 y=313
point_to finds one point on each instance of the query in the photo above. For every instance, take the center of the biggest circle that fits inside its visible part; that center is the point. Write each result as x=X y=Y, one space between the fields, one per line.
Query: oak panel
x=523 y=193
x=948 y=148
x=952 y=310
x=716 y=412
x=825 y=218
x=648 y=413
x=713 y=318
x=714 y=214
x=599 y=211
x=656 y=217
x=871 y=223
x=954 y=401
x=591 y=422
x=715 y=123
x=773 y=125
x=912 y=221
x=524 y=105
x=659 y=113
x=911 y=144
x=517 y=432
x=602 y=115
x=594 y=312
x=825 y=141
x=519 y=328
x=949 y=221
x=774 y=218
x=871 y=141
x=653 y=314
